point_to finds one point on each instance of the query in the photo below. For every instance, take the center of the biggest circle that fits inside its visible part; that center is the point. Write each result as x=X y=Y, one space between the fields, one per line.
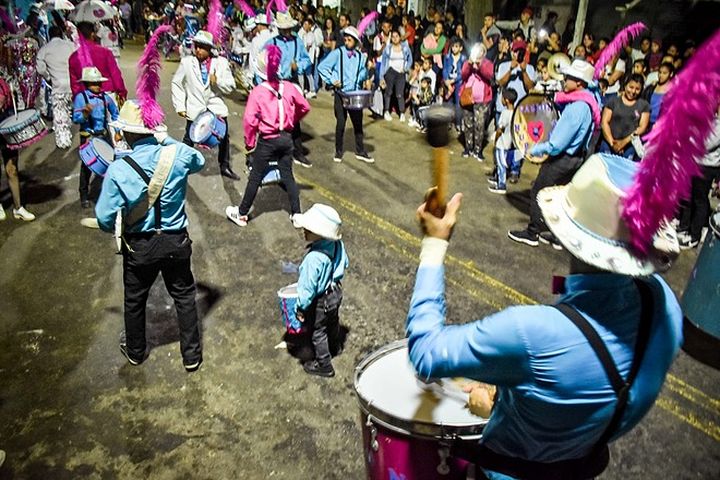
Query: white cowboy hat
x=204 y=38
x=92 y=75
x=321 y=220
x=249 y=24
x=283 y=20
x=351 y=32
x=261 y=19
x=579 y=69
x=130 y=120
x=586 y=216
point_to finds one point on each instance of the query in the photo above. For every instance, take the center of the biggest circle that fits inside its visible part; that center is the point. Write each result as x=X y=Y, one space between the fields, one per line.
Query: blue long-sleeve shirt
x=326 y=260
x=571 y=132
x=123 y=188
x=354 y=70
x=554 y=398
x=102 y=104
x=293 y=50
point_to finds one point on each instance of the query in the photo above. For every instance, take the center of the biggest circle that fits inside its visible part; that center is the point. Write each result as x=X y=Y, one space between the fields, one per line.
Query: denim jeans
x=501 y=159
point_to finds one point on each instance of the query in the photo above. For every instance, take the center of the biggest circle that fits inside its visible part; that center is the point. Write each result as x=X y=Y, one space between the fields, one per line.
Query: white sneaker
x=311 y=95
x=412 y=123
x=365 y=157
x=402 y=117
x=337 y=158
x=3 y=215
x=233 y=214
x=387 y=116
x=22 y=214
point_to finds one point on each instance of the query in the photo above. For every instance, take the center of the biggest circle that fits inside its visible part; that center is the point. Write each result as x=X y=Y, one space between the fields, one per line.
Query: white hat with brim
x=586 y=216
x=261 y=19
x=351 y=32
x=203 y=37
x=92 y=75
x=284 y=21
x=130 y=120
x=579 y=69
x=320 y=219
x=249 y=24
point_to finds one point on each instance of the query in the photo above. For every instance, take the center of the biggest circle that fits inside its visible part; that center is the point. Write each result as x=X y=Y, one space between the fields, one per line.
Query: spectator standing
x=625 y=117
x=490 y=36
x=126 y=17
x=526 y=24
x=312 y=39
x=396 y=63
x=452 y=80
x=477 y=74
x=434 y=45
x=655 y=93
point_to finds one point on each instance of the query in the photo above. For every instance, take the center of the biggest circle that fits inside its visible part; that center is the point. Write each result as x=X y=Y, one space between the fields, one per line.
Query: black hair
x=489 y=14
x=426 y=79
x=552 y=14
x=86 y=29
x=55 y=32
x=635 y=77
x=510 y=94
x=669 y=66
x=603 y=82
x=457 y=40
x=346 y=15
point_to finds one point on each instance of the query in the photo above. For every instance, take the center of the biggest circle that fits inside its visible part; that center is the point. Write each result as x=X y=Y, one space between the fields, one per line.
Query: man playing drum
x=565 y=149
x=198 y=86
x=344 y=68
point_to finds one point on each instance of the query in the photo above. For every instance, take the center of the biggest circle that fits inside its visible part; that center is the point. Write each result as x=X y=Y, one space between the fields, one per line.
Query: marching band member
x=273 y=110
x=198 y=86
x=565 y=149
x=261 y=36
x=344 y=68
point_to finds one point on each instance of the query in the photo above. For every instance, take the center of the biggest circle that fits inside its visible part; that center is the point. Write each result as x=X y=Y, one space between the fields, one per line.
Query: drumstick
x=438 y=120
x=12 y=95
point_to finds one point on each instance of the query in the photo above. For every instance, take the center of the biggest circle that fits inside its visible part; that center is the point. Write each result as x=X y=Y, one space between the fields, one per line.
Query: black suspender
x=620 y=386
x=146 y=179
x=105 y=107
x=357 y=74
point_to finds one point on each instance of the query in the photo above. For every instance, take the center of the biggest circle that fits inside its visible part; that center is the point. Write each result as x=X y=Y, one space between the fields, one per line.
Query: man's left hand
x=435 y=227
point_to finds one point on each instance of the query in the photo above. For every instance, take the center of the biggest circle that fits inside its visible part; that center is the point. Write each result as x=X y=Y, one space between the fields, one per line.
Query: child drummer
x=319 y=289
x=90 y=110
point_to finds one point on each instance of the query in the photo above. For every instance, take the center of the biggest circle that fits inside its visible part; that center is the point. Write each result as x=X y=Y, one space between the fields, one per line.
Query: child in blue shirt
x=91 y=108
x=319 y=289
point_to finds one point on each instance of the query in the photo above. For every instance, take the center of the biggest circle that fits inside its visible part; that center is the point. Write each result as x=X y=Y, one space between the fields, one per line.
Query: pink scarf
x=582 y=96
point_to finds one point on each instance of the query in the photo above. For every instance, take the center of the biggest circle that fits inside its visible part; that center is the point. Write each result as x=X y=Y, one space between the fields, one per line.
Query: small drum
x=356 y=99
x=23 y=129
x=408 y=428
x=533 y=119
x=207 y=130
x=701 y=300
x=97 y=154
x=287 y=298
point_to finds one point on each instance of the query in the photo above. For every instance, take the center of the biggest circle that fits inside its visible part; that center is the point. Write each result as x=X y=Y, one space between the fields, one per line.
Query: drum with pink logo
x=409 y=425
x=533 y=119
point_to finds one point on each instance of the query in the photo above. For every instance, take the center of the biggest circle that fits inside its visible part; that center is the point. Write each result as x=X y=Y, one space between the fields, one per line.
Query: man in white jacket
x=198 y=86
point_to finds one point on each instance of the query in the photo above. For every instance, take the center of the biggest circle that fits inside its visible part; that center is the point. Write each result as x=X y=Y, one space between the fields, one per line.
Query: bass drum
x=533 y=119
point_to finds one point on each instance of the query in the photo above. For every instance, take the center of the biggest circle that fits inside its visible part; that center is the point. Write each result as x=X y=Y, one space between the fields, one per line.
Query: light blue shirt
x=102 y=105
x=326 y=260
x=571 y=132
x=354 y=70
x=554 y=398
x=293 y=50
x=123 y=188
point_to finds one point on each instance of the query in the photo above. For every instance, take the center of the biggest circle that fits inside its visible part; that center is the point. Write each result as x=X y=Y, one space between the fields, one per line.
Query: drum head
x=202 y=127
x=533 y=119
x=389 y=390
x=289 y=291
x=104 y=149
x=22 y=118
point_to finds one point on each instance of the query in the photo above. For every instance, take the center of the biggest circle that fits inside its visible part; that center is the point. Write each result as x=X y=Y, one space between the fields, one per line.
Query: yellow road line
x=674 y=384
x=708 y=427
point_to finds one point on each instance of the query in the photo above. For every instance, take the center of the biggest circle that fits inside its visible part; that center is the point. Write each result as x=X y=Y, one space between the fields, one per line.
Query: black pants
x=278 y=149
x=169 y=254
x=324 y=321
x=394 y=85
x=554 y=171
x=223 y=148
x=341 y=114
x=695 y=213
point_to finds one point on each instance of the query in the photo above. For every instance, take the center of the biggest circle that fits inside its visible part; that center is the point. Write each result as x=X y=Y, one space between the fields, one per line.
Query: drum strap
x=281 y=107
x=105 y=107
x=357 y=74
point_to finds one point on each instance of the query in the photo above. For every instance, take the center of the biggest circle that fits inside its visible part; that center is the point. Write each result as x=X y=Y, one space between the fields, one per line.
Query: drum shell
x=357 y=99
x=214 y=135
x=92 y=158
x=20 y=134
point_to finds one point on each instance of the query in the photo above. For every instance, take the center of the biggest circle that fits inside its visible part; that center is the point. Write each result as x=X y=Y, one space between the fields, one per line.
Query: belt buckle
x=158 y=231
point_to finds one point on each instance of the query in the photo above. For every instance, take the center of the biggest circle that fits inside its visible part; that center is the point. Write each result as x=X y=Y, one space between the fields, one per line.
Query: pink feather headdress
x=215 y=22
x=83 y=50
x=274 y=55
x=621 y=40
x=280 y=6
x=674 y=146
x=246 y=9
x=268 y=10
x=148 y=80
x=366 y=21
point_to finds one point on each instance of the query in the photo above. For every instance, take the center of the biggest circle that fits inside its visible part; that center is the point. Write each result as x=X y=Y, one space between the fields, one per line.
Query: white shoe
x=22 y=214
x=3 y=215
x=387 y=116
x=402 y=117
x=311 y=95
x=412 y=123
x=233 y=214
x=337 y=158
x=365 y=157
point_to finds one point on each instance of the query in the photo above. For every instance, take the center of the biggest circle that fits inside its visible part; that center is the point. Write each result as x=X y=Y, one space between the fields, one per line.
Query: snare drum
x=287 y=299
x=208 y=130
x=533 y=119
x=23 y=129
x=408 y=428
x=356 y=99
x=97 y=154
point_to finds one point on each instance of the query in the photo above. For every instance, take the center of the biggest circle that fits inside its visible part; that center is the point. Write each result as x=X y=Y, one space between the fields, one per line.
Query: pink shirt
x=262 y=113
x=104 y=61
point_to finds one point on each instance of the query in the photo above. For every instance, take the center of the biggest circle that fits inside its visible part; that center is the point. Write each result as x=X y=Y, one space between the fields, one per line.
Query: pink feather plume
x=148 y=79
x=674 y=146
x=215 y=21
x=366 y=21
x=281 y=6
x=274 y=56
x=621 y=40
x=246 y=9
x=84 y=52
x=268 y=10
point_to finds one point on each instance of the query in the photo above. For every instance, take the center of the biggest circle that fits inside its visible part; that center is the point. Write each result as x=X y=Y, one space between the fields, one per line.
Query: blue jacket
x=448 y=70
x=326 y=261
x=292 y=49
x=123 y=188
x=554 y=398
x=385 y=61
x=571 y=133
x=102 y=104
x=354 y=69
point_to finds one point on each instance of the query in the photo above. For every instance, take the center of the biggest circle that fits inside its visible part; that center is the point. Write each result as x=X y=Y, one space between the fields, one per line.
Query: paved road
x=71 y=407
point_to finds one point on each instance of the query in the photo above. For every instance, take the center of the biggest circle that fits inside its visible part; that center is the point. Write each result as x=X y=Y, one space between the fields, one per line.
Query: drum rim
x=21 y=123
x=516 y=110
x=281 y=294
x=195 y=125
x=413 y=428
